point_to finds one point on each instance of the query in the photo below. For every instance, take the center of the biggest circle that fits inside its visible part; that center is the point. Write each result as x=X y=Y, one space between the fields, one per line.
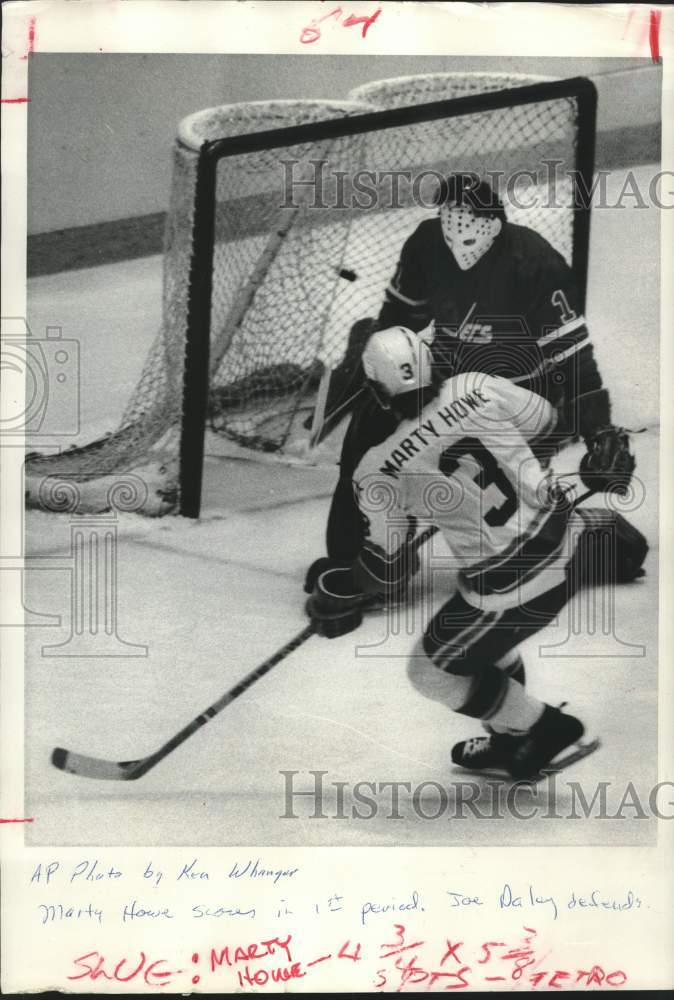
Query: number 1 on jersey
x=559 y=299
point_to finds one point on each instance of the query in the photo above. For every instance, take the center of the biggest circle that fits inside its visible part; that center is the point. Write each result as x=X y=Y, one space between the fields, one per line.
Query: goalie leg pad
x=631 y=550
x=348 y=376
x=610 y=543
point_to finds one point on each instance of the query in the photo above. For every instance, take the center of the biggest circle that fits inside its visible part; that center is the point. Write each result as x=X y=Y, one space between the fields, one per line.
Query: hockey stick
x=318 y=416
x=129 y=770
x=583 y=496
x=334 y=418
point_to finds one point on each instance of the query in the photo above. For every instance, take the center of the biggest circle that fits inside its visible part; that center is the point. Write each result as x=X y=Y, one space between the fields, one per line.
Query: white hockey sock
x=512 y=665
x=517 y=712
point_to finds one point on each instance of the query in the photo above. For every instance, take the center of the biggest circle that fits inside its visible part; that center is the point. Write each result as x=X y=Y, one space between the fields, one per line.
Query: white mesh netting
x=306 y=239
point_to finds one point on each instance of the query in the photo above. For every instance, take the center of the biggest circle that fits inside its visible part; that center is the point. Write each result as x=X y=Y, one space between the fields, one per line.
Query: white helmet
x=398 y=361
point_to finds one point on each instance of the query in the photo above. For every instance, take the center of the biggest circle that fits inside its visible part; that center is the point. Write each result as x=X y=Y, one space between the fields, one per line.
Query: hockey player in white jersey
x=461 y=461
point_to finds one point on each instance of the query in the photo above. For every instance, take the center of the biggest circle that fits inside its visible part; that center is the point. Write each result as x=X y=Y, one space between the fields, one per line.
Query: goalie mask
x=397 y=361
x=468 y=235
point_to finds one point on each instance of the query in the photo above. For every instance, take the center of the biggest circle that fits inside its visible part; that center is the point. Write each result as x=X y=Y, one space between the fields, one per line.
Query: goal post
x=283 y=231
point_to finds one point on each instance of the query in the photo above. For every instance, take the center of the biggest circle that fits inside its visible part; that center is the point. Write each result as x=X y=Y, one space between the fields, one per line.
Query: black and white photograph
x=506 y=236
x=342 y=478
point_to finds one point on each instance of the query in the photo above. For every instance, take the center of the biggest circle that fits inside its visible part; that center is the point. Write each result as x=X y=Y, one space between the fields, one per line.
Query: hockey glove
x=319 y=566
x=386 y=577
x=336 y=605
x=608 y=465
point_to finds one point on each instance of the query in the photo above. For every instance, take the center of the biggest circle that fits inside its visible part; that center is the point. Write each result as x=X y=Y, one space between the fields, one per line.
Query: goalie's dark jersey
x=516 y=313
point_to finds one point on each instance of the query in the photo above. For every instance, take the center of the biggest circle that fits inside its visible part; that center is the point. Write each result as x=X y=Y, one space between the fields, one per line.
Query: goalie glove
x=608 y=465
x=336 y=604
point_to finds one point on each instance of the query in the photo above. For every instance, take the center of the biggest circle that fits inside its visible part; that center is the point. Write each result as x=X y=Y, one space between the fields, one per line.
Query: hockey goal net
x=285 y=225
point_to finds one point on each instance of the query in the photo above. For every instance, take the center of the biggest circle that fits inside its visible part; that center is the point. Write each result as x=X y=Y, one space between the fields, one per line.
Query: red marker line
x=15 y=100
x=654 y=34
x=31 y=38
x=28 y=820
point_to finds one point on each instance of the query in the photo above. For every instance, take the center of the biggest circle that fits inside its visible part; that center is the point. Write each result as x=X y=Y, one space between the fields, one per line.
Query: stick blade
x=95 y=767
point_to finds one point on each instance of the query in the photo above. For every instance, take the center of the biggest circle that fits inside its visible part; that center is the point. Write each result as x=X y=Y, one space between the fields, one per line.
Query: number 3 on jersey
x=490 y=474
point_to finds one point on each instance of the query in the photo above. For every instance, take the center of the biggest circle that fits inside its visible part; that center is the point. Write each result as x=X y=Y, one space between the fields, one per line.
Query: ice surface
x=210 y=600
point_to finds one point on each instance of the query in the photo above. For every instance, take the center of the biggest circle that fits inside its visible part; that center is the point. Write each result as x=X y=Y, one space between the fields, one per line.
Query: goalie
x=521 y=548
x=489 y=296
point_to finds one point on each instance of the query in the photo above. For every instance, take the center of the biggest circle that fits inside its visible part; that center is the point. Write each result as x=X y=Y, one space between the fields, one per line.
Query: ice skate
x=555 y=742
x=485 y=754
